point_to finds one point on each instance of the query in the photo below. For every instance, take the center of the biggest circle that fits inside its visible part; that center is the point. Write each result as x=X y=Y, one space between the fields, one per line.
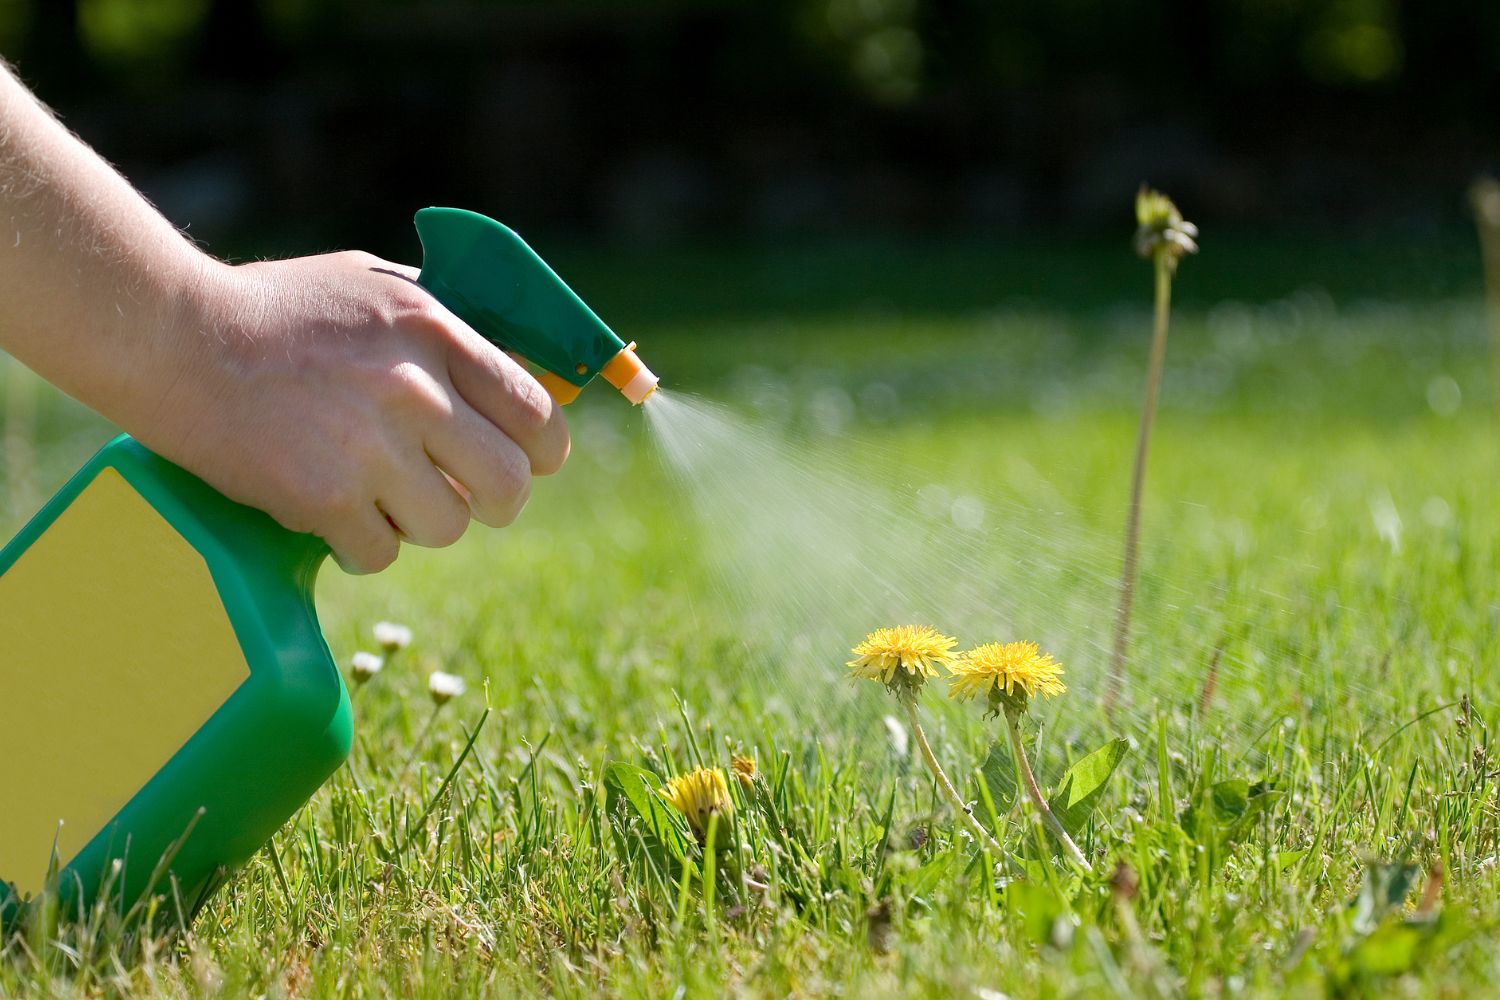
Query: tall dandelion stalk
x=1163 y=236
x=903 y=658
x=1008 y=675
x=1484 y=196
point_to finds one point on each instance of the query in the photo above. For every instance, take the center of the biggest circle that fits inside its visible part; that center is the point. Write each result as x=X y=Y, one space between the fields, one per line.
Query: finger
x=488 y=466
x=364 y=543
x=506 y=395
x=423 y=503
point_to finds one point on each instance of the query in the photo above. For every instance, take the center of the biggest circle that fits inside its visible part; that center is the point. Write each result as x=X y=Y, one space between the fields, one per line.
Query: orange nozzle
x=630 y=375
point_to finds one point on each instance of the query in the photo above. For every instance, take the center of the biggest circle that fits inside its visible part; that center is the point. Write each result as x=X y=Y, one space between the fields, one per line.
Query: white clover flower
x=364 y=665
x=392 y=637
x=444 y=687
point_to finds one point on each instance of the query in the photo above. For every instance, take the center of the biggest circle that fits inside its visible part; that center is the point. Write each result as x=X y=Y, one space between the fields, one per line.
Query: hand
x=337 y=395
x=331 y=392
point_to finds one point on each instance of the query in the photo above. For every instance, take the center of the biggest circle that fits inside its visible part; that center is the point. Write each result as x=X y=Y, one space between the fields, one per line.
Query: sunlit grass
x=1323 y=526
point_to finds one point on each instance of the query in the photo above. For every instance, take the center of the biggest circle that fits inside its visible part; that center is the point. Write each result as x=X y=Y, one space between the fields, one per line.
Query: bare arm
x=331 y=392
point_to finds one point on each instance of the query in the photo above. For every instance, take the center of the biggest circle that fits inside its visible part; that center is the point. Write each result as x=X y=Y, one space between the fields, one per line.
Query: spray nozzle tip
x=628 y=373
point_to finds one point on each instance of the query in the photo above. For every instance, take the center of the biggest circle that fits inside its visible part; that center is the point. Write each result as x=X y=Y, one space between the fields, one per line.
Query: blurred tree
x=676 y=115
x=142 y=43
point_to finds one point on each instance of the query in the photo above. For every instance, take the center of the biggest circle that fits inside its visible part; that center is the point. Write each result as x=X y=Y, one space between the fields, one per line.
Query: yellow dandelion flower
x=1012 y=670
x=743 y=768
x=906 y=654
x=698 y=795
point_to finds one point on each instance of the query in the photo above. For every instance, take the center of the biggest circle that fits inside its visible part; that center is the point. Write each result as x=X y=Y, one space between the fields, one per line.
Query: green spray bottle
x=167 y=694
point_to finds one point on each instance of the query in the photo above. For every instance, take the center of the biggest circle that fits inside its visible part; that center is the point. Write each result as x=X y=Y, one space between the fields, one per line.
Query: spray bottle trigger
x=558 y=387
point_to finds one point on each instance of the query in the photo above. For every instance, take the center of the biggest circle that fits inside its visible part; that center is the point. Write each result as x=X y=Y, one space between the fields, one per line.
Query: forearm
x=98 y=287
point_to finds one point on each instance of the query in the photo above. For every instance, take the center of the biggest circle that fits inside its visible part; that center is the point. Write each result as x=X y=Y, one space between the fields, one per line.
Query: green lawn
x=1321 y=552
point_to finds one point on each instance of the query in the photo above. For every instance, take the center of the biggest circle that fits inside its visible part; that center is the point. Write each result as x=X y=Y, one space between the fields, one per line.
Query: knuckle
x=425 y=307
x=340 y=501
x=349 y=562
x=425 y=315
x=515 y=473
x=319 y=502
x=509 y=491
x=362 y=454
x=407 y=387
x=382 y=553
x=420 y=391
x=299 y=502
x=442 y=523
x=453 y=525
x=551 y=454
x=367 y=553
x=533 y=409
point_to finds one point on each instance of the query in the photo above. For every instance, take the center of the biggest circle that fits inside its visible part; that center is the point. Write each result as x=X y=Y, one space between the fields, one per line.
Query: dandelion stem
x=946 y=786
x=1028 y=779
x=1163 y=264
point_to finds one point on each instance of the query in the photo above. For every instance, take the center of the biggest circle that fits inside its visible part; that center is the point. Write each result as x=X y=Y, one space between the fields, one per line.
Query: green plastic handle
x=488 y=277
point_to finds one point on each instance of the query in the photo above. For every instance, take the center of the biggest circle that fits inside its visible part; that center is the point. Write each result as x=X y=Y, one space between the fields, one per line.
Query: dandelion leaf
x=1083 y=783
x=1390 y=950
x=1384 y=890
x=635 y=791
x=1383 y=940
x=929 y=876
x=1229 y=810
x=999 y=776
x=1036 y=907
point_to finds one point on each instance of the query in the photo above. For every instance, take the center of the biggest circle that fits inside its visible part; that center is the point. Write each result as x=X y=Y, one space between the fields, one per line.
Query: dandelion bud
x=444 y=687
x=1161 y=229
x=1484 y=195
x=392 y=637
x=699 y=795
x=744 y=770
x=363 y=666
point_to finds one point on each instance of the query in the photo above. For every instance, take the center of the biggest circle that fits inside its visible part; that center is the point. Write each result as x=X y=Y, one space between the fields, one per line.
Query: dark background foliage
x=265 y=126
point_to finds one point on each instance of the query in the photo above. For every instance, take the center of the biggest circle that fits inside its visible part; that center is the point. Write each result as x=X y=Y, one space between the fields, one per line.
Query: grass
x=1320 y=522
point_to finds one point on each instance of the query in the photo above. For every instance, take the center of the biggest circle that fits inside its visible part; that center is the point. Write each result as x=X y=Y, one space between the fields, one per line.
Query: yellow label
x=114 y=649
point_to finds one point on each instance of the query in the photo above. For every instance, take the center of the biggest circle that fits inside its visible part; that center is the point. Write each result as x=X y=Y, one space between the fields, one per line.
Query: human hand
x=337 y=395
